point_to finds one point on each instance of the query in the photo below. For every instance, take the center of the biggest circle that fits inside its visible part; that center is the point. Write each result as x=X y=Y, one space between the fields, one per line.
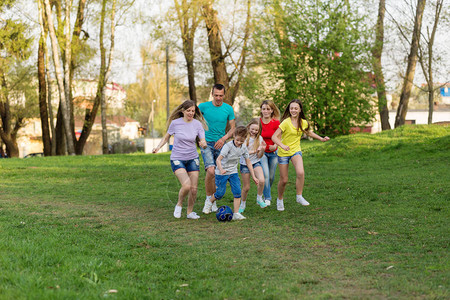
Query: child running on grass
x=255 y=145
x=287 y=137
x=227 y=171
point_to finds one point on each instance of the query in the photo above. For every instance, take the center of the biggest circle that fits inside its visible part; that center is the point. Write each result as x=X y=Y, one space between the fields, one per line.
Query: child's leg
x=297 y=161
x=237 y=204
x=260 y=175
x=284 y=176
x=235 y=184
x=245 y=185
x=221 y=183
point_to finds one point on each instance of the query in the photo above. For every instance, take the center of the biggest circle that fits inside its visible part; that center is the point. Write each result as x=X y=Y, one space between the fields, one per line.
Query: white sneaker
x=193 y=215
x=238 y=216
x=214 y=207
x=207 y=207
x=302 y=201
x=267 y=202
x=177 y=211
x=280 y=205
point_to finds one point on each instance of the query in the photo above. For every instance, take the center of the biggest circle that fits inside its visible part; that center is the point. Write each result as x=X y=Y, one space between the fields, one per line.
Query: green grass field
x=95 y=227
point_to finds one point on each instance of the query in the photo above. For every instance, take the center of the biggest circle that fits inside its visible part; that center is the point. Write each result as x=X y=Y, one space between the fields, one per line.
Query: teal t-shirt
x=217 y=118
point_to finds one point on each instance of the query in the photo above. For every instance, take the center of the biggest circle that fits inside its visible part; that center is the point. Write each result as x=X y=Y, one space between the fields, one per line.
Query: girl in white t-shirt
x=256 y=147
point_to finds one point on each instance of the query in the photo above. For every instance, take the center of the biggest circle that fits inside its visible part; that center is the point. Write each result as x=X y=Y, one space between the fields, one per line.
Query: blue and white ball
x=224 y=214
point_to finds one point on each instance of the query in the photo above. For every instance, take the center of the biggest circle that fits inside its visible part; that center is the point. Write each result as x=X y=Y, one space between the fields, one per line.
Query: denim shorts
x=284 y=160
x=244 y=168
x=210 y=155
x=221 y=185
x=190 y=165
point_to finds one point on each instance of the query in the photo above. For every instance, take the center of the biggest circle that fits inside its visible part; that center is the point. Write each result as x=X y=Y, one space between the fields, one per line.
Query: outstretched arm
x=317 y=137
x=164 y=140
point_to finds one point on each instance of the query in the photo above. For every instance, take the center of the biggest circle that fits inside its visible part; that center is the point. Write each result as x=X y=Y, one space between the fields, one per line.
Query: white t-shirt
x=253 y=157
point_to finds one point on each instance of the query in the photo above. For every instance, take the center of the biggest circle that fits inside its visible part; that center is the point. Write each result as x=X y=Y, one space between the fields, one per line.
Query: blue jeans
x=269 y=163
x=284 y=160
x=221 y=185
x=244 y=169
x=210 y=155
x=191 y=165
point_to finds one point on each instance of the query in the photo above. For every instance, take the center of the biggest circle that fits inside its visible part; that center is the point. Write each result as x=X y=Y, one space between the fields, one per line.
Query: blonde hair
x=178 y=113
x=275 y=111
x=256 y=143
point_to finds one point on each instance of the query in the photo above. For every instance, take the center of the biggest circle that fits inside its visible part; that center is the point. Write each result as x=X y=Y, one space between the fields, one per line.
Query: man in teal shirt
x=217 y=114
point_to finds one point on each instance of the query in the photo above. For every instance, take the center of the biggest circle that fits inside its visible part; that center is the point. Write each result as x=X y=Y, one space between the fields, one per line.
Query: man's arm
x=219 y=144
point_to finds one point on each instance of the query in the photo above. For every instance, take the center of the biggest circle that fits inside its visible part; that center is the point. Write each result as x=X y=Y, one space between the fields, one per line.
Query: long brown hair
x=287 y=114
x=256 y=143
x=275 y=110
x=178 y=113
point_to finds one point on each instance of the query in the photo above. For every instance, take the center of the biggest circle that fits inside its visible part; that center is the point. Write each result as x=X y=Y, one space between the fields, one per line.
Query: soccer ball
x=224 y=214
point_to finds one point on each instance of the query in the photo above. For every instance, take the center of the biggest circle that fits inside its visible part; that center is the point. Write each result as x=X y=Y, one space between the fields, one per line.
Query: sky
x=135 y=29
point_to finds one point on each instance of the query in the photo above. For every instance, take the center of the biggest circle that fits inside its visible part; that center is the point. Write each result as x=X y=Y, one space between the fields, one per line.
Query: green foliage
x=13 y=40
x=102 y=227
x=316 y=52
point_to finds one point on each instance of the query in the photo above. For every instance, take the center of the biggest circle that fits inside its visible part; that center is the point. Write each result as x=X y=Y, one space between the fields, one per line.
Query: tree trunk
x=187 y=13
x=60 y=138
x=62 y=93
x=8 y=134
x=411 y=68
x=215 y=49
x=105 y=70
x=430 y=104
x=43 y=99
x=377 y=51
x=43 y=93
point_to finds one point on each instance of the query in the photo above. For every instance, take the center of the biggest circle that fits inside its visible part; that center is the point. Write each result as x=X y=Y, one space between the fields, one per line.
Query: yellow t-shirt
x=290 y=136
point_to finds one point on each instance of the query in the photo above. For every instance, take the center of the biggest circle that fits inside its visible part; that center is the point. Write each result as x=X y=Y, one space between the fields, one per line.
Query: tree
x=188 y=15
x=411 y=66
x=218 y=57
x=14 y=79
x=42 y=81
x=149 y=91
x=426 y=57
x=317 y=52
x=62 y=86
x=105 y=69
x=377 y=51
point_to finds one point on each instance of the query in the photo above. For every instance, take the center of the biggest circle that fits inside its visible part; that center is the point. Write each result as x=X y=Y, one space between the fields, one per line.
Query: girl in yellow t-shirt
x=287 y=137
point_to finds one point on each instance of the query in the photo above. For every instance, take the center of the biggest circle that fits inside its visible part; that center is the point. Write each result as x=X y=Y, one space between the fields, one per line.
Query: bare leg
x=237 y=203
x=210 y=184
x=185 y=182
x=297 y=161
x=193 y=191
x=284 y=176
x=260 y=175
x=245 y=185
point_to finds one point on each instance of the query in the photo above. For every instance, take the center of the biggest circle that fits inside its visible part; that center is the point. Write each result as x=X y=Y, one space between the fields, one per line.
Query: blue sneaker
x=261 y=203
x=242 y=207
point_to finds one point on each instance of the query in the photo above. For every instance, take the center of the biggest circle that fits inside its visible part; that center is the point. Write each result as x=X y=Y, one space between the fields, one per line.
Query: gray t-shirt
x=231 y=155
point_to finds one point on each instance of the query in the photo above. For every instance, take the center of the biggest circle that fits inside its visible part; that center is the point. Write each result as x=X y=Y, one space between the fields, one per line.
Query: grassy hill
x=90 y=227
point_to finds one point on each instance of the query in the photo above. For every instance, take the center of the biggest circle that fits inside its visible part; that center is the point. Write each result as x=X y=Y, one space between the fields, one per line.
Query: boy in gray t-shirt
x=226 y=170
